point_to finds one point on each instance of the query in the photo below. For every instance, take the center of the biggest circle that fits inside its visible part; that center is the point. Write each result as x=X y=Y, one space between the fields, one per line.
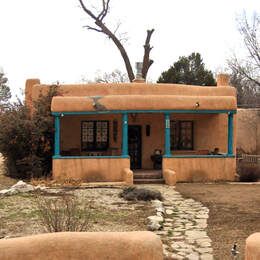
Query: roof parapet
x=223 y=80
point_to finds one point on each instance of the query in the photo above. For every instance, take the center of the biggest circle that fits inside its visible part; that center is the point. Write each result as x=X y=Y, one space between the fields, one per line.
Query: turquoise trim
x=125 y=134
x=144 y=111
x=201 y=156
x=167 y=135
x=57 y=136
x=89 y=157
x=230 y=133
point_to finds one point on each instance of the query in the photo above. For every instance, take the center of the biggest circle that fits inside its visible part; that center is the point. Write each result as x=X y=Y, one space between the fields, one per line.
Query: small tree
x=188 y=70
x=116 y=76
x=27 y=141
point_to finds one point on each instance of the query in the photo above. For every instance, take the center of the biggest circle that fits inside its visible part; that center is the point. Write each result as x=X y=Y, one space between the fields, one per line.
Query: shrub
x=133 y=193
x=63 y=214
x=248 y=173
x=26 y=139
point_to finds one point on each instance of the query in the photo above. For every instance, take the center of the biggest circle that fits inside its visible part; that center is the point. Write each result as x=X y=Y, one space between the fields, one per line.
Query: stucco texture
x=253 y=247
x=143 y=102
x=91 y=169
x=201 y=169
x=83 y=245
x=248 y=131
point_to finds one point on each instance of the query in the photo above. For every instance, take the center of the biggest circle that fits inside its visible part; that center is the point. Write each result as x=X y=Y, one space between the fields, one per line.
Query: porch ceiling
x=142 y=102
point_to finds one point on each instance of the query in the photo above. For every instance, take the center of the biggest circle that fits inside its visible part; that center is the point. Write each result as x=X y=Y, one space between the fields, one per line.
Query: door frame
x=139 y=127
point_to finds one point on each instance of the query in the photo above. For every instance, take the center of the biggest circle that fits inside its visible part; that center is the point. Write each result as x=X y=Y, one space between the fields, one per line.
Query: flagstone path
x=183 y=231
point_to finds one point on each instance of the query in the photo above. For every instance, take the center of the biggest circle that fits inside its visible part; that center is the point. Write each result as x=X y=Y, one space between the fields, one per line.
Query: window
x=181 y=135
x=94 y=135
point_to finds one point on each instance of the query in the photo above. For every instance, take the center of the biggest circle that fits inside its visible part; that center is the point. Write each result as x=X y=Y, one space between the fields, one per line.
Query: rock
x=206 y=257
x=156 y=218
x=176 y=257
x=205 y=244
x=8 y=192
x=193 y=256
x=169 y=211
x=154 y=226
x=193 y=234
x=21 y=186
x=204 y=250
x=40 y=187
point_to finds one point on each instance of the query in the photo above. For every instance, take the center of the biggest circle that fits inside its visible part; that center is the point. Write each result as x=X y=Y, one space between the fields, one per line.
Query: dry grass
x=20 y=215
x=63 y=214
x=49 y=182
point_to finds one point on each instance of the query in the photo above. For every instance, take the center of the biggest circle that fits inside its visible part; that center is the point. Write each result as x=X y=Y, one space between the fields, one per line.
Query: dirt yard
x=234 y=213
x=19 y=214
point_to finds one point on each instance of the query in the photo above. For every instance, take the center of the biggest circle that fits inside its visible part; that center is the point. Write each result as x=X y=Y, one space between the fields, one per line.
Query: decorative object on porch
x=157 y=159
x=133 y=116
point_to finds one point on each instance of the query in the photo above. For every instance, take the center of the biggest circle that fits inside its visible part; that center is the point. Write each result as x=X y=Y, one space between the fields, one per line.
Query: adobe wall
x=201 y=169
x=34 y=89
x=248 y=131
x=91 y=169
x=252 y=251
x=83 y=245
x=210 y=131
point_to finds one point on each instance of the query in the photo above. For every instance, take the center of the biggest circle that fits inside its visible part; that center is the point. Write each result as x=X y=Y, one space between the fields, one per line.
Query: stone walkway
x=183 y=231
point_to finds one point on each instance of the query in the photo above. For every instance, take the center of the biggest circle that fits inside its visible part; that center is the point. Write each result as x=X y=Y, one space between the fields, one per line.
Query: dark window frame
x=178 y=126
x=94 y=147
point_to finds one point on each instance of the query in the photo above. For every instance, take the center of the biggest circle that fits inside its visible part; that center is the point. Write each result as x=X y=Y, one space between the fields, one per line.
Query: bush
x=26 y=139
x=248 y=173
x=63 y=214
x=133 y=193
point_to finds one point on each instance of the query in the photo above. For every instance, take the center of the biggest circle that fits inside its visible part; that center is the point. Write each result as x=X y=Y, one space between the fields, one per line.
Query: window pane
x=94 y=135
x=181 y=135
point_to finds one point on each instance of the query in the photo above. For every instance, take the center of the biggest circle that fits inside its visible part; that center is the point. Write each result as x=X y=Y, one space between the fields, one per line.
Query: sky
x=46 y=39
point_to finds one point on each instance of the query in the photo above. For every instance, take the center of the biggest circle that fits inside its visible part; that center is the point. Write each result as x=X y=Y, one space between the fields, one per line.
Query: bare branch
x=87 y=10
x=92 y=28
x=147 y=62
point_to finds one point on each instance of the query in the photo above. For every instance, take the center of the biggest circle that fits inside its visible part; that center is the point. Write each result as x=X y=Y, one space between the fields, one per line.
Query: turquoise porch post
x=167 y=135
x=125 y=134
x=57 y=136
x=230 y=133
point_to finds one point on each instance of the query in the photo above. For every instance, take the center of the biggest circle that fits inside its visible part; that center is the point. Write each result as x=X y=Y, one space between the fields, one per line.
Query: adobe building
x=110 y=132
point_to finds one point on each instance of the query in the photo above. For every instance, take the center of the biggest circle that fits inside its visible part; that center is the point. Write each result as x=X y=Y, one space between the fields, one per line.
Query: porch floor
x=148 y=176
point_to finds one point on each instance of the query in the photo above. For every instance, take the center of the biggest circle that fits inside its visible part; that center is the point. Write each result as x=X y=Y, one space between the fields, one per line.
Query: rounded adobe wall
x=139 y=102
x=83 y=245
x=253 y=247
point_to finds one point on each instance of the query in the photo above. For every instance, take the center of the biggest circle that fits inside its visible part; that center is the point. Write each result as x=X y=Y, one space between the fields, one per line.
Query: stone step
x=150 y=175
x=149 y=181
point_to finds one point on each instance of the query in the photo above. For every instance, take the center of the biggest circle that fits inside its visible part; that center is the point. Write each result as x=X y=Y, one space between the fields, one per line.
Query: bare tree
x=246 y=72
x=248 y=67
x=116 y=76
x=101 y=27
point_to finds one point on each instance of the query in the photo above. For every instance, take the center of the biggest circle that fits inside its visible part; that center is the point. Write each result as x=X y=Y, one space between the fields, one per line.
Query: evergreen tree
x=5 y=93
x=188 y=70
